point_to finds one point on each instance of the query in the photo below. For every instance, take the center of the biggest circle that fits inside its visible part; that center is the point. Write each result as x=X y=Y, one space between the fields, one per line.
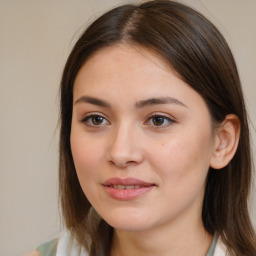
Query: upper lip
x=127 y=182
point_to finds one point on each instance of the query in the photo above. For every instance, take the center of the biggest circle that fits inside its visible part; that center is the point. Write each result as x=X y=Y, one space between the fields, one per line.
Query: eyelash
x=88 y=120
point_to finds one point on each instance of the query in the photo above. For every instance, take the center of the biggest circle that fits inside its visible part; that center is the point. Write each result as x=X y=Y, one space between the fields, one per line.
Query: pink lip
x=126 y=194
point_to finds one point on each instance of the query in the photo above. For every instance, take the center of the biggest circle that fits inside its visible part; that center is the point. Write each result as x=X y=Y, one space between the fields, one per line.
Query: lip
x=125 y=189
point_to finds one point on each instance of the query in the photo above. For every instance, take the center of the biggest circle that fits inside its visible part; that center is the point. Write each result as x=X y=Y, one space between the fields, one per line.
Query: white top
x=220 y=249
x=69 y=247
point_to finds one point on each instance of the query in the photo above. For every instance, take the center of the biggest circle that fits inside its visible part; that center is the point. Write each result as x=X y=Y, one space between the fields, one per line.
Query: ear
x=226 y=142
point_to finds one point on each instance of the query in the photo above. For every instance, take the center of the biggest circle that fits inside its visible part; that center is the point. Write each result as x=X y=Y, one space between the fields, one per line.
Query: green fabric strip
x=213 y=245
x=48 y=248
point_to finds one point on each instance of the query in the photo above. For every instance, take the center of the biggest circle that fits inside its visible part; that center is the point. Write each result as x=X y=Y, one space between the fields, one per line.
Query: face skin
x=134 y=118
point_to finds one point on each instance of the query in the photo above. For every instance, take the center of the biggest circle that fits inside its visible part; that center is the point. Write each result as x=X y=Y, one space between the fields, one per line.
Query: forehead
x=122 y=61
x=131 y=68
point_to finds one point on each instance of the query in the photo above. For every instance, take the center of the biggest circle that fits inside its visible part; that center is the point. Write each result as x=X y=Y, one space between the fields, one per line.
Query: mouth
x=126 y=189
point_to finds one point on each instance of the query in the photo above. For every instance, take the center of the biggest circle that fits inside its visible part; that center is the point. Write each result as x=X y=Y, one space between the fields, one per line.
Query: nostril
x=123 y=164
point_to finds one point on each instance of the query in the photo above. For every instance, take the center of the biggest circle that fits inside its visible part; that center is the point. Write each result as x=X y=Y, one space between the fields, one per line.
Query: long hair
x=197 y=51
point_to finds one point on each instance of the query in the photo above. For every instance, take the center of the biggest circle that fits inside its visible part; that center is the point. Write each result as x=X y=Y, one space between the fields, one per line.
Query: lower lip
x=127 y=194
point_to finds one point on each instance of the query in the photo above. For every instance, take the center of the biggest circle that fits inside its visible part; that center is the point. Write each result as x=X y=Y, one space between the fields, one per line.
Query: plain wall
x=35 y=39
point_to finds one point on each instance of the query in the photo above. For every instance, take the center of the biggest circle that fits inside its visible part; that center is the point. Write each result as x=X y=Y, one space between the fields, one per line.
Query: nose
x=125 y=147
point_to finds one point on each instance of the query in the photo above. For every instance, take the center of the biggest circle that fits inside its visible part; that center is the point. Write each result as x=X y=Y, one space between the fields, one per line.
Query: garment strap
x=48 y=248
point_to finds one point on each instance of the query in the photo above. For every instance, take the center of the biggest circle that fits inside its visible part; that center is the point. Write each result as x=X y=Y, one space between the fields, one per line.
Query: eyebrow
x=139 y=104
x=94 y=101
x=158 y=101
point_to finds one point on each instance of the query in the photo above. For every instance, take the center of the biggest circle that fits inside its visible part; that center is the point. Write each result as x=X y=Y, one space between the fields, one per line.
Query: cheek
x=185 y=158
x=86 y=156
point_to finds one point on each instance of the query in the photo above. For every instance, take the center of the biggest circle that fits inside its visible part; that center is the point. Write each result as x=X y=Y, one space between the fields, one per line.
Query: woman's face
x=141 y=140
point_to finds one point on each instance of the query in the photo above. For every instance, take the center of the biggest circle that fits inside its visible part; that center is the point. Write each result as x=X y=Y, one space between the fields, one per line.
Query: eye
x=95 y=120
x=160 y=121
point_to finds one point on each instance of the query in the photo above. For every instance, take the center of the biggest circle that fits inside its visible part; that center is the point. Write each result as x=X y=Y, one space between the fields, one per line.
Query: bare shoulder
x=33 y=253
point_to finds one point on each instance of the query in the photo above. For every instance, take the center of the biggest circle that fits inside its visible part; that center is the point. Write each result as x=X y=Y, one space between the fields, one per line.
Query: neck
x=162 y=241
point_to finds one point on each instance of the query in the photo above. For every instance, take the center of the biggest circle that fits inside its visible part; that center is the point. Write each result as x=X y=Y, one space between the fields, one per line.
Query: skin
x=33 y=253
x=122 y=138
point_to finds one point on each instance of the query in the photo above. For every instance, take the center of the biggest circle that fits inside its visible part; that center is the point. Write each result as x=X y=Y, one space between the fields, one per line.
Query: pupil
x=97 y=120
x=158 y=120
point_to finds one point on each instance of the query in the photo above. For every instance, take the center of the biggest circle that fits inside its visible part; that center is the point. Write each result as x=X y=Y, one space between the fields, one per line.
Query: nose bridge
x=124 y=146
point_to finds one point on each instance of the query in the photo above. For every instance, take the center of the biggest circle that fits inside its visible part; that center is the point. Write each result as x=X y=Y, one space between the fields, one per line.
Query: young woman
x=154 y=142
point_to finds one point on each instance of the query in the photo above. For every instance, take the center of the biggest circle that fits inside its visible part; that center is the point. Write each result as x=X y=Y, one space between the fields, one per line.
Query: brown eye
x=159 y=121
x=95 y=120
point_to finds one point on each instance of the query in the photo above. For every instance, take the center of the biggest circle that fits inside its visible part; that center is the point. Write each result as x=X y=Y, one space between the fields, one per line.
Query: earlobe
x=226 y=142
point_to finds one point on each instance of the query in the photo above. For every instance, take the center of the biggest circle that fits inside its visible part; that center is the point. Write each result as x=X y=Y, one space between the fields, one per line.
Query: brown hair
x=199 y=54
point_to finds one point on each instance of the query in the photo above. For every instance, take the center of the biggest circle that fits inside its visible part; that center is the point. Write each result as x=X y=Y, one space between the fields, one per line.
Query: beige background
x=35 y=38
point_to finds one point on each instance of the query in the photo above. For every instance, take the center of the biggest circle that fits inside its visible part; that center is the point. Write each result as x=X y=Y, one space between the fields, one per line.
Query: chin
x=127 y=222
x=128 y=227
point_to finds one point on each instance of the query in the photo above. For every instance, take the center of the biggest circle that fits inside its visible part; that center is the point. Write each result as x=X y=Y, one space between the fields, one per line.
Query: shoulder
x=63 y=245
x=33 y=253
x=48 y=248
